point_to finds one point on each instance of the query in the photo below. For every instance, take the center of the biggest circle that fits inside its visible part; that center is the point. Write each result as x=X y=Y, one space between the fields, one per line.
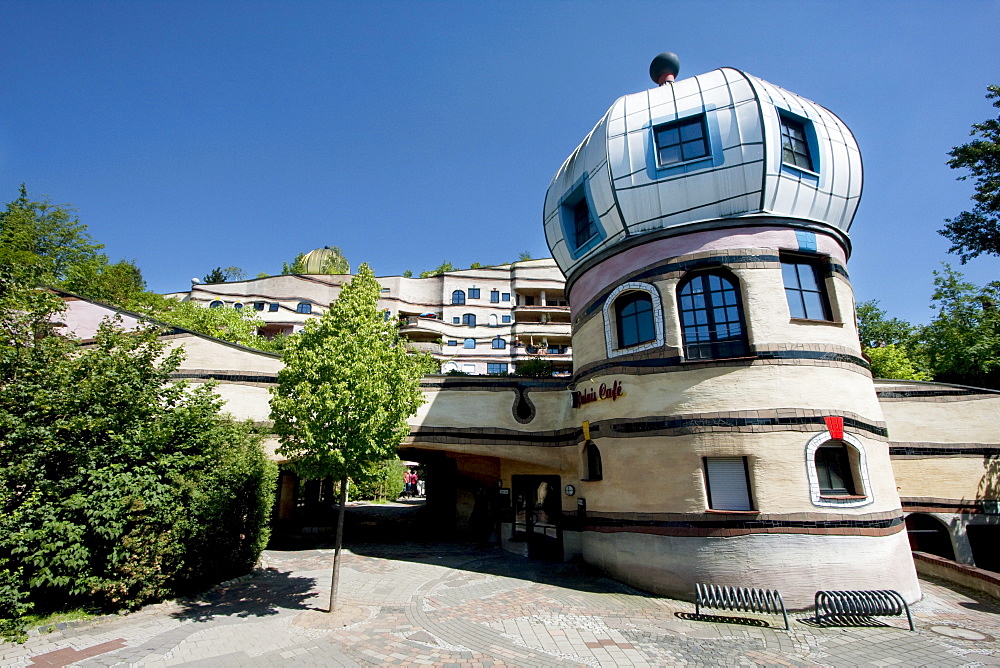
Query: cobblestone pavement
x=451 y=605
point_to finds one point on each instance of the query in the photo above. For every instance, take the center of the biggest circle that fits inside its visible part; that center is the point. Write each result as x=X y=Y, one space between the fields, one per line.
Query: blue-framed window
x=497 y=368
x=505 y=319
x=469 y=343
x=258 y=306
x=804 y=288
x=580 y=225
x=238 y=306
x=469 y=319
x=456 y=320
x=634 y=318
x=505 y=297
x=473 y=293
x=452 y=342
x=494 y=296
x=712 y=324
x=499 y=343
x=304 y=307
x=795 y=149
x=216 y=304
x=458 y=297
x=681 y=141
x=272 y=307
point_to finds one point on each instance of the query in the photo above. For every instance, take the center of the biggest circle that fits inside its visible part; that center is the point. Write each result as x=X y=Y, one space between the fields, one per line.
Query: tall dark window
x=595 y=470
x=258 y=306
x=727 y=480
x=272 y=307
x=711 y=317
x=584 y=228
x=473 y=293
x=634 y=319
x=794 y=144
x=681 y=141
x=833 y=468
x=804 y=289
x=469 y=319
x=458 y=297
x=494 y=296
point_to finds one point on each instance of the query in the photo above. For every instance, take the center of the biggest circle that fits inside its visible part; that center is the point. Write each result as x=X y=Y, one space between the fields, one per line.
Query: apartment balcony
x=525 y=330
x=552 y=353
x=431 y=347
x=418 y=323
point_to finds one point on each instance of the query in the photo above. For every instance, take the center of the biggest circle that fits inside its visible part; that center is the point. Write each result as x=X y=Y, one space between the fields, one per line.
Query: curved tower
x=703 y=230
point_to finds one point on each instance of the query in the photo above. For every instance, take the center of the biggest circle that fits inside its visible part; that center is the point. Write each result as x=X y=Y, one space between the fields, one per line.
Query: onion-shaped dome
x=721 y=149
x=325 y=260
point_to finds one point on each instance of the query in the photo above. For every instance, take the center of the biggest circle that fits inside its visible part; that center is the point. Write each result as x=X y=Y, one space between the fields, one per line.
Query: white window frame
x=862 y=484
x=611 y=331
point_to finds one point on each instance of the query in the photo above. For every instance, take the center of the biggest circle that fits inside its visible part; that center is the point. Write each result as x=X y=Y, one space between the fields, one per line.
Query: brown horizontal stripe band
x=741 y=527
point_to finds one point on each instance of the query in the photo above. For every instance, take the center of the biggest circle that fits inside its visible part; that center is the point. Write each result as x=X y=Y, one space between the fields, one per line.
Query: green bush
x=384 y=484
x=119 y=486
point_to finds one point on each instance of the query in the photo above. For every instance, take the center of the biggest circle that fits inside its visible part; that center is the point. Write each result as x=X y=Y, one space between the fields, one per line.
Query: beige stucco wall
x=488 y=410
x=796 y=565
x=972 y=420
x=208 y=354
x=940 y=477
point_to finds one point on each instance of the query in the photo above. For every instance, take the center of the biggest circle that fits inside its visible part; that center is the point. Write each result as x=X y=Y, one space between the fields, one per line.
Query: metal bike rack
x=872 y=603
x=741 y=599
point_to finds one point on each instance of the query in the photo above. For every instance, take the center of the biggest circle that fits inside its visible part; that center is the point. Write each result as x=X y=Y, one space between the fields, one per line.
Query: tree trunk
x=341 y=505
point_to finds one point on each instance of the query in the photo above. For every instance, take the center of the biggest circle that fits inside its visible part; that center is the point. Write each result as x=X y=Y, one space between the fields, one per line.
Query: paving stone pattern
x=451 y=605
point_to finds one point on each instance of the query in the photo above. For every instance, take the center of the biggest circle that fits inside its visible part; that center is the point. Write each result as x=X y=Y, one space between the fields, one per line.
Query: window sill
x=813 y=321
x=802 y=170
x=843 y=497
x=718 y=511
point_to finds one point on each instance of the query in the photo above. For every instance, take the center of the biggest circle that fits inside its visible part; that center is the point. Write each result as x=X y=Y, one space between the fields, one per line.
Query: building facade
x=475 y=321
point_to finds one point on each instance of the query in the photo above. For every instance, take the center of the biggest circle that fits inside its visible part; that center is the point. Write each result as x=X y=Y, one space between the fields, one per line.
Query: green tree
x=343 y=397
x=48 y=239
x=229 y=324
x=536 y=367
x=229 y=274
x=117 y=486
x=893 y=361
x=120 y=284
x=978 y=231
x=437 y=271
x=523 y=255
x=385 y=482
x=876 y=329
x=408 y=273
x=962 y=342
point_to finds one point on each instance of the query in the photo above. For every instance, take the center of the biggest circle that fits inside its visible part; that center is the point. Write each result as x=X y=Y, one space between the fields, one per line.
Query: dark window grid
x=304 y=307
x=258 y=306
x=272 y=307
x=494 y=296
x=505 y=318
x=833 y=469
x=634 y=319
x=456 y=320
x=794 y=145
x=681 y=141
x=584 y=228
x=452 y=342
x=711 y=318
x=804 y=291
x=492 y=367
x=473 y=293
x=505 y=297
x=499 y=343
x=458 y=297
x=469 y=319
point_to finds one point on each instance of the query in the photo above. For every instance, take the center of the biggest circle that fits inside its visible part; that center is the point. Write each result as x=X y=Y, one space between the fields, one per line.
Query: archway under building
x=928 y=534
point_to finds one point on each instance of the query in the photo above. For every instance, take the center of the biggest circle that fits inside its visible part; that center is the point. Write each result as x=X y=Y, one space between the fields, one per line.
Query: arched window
x=469 y=319
x=215 y=304
x=458 y=297
x=712 y=317
x=304 y=307
x=634 y=319
x=470 y=343
x=928 y=534
x=499 y=343
x=837 y=468
x=592 y=461
x=493 y=320
x=833 y=469
x=238 y=306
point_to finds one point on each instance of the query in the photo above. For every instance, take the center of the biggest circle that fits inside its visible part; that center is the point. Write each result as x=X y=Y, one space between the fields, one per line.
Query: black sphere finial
x=664 y=68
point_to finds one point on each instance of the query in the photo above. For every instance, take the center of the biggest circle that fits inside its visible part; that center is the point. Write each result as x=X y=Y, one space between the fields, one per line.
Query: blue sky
x=191 y=135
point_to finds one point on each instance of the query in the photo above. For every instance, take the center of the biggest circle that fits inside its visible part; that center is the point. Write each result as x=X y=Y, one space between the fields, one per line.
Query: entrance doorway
x=537 y=513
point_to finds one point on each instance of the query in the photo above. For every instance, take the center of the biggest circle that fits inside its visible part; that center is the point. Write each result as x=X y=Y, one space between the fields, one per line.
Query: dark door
x=537 y=512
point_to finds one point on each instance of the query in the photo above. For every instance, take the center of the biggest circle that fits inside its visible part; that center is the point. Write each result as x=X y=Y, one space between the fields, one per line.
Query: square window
x=804 y=289
x=473 y=293
x=272 y=307
x=452 y=342
x=258 y=306
x=505 y=319
x=795 y=143
x=505 y=297
x=456 y=320
x=727 y=481
x=681 y=141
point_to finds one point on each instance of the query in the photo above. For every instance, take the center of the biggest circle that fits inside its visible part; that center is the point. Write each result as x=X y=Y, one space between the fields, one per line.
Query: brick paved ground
x=450 y=605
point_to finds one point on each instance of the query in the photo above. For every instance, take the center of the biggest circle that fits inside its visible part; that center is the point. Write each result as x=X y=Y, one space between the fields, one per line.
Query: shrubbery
x=117 y=487
x=384 y=484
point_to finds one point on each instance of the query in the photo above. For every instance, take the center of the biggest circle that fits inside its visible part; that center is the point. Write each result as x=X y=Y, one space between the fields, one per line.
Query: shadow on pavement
x=263 y=595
